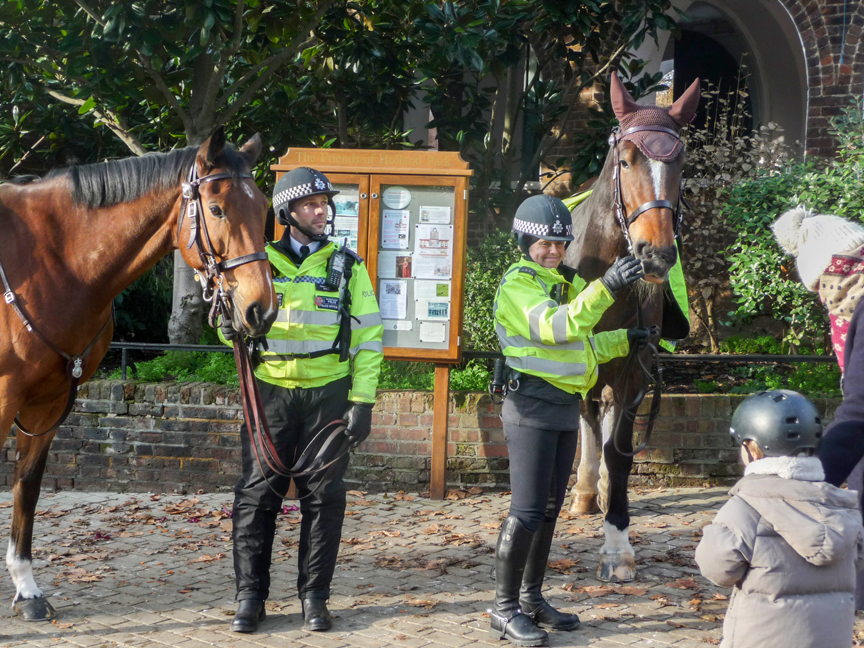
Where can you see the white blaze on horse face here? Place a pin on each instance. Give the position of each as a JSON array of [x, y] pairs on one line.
[[22, 575], [248, 191], [616, 542], [657, 173]]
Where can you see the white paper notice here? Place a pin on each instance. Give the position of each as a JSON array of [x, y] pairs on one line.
[[387, 264], [436, 215], [433, 240], [398, 325], [432, 332], [431, 268], [345, 227], [431, 289], [394, 230], [393, 299], [396, 197], [432, 309]]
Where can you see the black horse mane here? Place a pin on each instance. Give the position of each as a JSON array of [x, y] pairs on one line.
[[109, 183]]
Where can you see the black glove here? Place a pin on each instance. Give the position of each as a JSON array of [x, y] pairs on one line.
[[228, 331], [359, 418], [622, 273], [638, 336]]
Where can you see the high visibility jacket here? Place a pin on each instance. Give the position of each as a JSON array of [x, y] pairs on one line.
[[308, 321], [555, 342]]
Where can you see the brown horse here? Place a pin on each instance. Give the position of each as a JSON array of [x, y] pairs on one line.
[[70, 243], [634, 209]]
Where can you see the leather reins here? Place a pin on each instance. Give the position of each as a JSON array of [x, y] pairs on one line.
[[634, 359]]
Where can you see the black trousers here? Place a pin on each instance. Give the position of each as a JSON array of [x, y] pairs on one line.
[[541, 440], [294, 417]]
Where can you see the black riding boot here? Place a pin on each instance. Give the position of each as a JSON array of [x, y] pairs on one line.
[[530, 597], [508, 622]]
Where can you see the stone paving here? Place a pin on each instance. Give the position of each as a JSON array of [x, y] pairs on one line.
[[141, 570]]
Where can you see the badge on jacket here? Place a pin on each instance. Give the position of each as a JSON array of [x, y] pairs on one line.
[[327, 303]]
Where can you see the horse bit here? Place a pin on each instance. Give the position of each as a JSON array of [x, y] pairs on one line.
[[633, 356]]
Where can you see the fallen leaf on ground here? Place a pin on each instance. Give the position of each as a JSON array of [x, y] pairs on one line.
[[564, 565], [604, 606], [207, 558], [684, 583], [456, 495]]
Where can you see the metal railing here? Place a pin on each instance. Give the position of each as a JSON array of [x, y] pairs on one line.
[[125, 347]]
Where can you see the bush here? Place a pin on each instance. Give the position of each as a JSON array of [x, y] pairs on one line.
[[751, 346], [191, 366], [142, 310], [762, 278], [822, 379], [485, 267]]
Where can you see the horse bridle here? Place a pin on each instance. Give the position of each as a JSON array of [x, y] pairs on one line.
[[618, 202], [633, 357], [311, 460]]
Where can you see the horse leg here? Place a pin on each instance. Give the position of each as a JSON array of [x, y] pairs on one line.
[[31, 454], [585, 490], [607, 420], [617, 558]]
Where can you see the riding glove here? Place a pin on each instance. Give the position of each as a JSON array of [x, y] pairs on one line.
[[622, 273], [638, 336], [228, 331], [359, 419]]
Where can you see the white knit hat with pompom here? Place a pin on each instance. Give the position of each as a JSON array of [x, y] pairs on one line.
[[814, 238]]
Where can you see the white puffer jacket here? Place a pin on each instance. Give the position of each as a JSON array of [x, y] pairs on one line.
[[790, 544]]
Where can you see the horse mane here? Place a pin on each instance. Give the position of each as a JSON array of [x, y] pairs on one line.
[[109, 183]]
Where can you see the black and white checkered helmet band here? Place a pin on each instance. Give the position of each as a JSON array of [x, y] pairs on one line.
[[542, 231], [300, 183], [293, 193]]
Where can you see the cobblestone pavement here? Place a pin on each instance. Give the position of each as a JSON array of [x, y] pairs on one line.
[[140, 570]]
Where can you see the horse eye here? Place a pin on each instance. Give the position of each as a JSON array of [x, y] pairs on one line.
[[624, 165], [216, 210]]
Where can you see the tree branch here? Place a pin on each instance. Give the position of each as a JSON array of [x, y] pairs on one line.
[[164, 89], [90, 12], [112, 120], [547, 143], [270, 65]]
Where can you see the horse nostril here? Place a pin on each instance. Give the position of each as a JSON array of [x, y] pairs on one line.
[[253, 316], [640, 248]]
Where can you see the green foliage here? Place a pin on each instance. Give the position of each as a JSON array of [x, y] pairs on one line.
[[485, 267], [706, 386], [185, 366], [763, 279], [474, 377], [141, 311], [751, 346], [811, 379], [406, 375]]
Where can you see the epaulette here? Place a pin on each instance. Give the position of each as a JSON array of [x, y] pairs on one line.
[[527, 270], [357, 258]]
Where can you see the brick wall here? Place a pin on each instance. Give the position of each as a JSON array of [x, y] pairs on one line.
[[124, 436]]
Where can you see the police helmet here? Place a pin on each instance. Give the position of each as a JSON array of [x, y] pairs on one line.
[[542, 217], [781, 422], [300, 183]]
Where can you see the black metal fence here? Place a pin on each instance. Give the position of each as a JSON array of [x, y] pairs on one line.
[[125, 347]]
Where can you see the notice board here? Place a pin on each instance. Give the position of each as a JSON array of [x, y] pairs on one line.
[[405, 213]]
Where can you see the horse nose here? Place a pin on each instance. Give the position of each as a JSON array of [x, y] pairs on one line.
[[255, 319], [641, 249]]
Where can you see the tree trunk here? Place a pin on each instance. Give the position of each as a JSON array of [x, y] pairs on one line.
[[187, 306]]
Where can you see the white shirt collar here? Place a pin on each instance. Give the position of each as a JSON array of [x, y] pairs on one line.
[[296, 245]]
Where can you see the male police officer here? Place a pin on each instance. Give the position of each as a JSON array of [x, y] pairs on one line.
[[322, 362]]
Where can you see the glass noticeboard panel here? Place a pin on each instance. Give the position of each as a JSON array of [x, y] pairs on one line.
[[347, 219], [415, 264]]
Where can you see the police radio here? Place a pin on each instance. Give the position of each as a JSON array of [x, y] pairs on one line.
[[336, 267]]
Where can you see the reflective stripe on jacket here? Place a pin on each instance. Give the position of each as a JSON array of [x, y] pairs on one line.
[[308, 321], [555, 342]]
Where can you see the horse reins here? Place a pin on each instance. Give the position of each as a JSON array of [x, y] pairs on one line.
[[311, 459], [634, 358]]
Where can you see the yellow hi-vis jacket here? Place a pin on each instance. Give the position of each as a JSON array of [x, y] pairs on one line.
[[308, 321], [555, 342]]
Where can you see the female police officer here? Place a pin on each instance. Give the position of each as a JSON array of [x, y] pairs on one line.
[[322, 363], [544, 315]]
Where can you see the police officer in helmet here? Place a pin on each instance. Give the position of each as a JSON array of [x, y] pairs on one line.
[[320, 364], [544, 316]]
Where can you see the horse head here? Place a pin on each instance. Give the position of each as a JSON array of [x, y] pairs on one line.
[[226, 240], [650, 158]]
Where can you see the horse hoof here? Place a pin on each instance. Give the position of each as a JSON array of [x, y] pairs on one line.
[[35, 609], [584, 504], [617, 568]]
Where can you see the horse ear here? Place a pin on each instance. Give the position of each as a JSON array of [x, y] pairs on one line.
[[212, 148], [685, 106], [622, 102], [251, 149]]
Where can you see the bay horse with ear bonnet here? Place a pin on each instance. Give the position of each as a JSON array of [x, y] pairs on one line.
[[635, 208], [71, 243]]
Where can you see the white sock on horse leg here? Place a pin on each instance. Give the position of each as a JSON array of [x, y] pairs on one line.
[[22, 575]]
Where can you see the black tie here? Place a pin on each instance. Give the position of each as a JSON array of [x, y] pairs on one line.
[[304, 252]]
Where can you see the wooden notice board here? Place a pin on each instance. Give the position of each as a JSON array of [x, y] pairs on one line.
[[405, 213]]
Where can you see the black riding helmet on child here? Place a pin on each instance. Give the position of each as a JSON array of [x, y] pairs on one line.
[[301, 183]]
